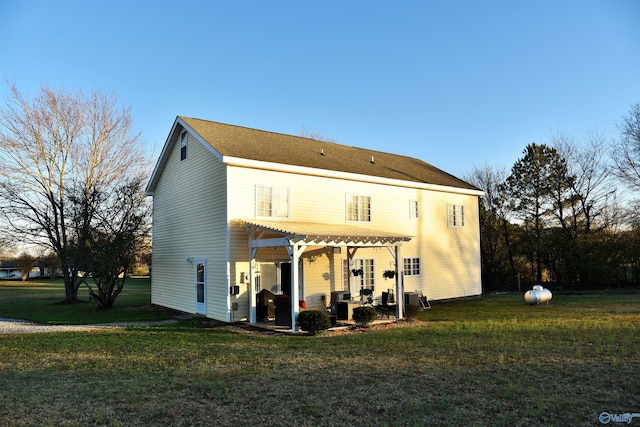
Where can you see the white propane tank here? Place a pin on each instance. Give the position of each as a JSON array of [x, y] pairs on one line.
[[538, 295], [531, 297], [545, 295]]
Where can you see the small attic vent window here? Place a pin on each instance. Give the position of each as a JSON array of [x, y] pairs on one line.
[[183, 145]]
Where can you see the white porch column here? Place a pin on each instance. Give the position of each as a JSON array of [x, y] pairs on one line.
[[353, 288], [252, 281], [294, 252], [399, 283]]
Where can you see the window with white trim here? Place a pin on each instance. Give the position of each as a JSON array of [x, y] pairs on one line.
[[272, 202], [413, 209], [455, 215], [366, 273], [358, 208], [411, 266], [183, 145], [346, 271]]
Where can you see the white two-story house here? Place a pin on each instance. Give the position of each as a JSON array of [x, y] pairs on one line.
[[238, 210]]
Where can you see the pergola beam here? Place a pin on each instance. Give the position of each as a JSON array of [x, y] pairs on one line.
[[265, 243]]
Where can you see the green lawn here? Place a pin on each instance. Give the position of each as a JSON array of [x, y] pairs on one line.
[[490, 361], [38, 301]]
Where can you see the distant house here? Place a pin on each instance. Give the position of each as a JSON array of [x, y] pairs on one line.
[[8, 269], [238, 210]]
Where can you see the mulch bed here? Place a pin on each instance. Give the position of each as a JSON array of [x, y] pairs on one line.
[[243, 328]]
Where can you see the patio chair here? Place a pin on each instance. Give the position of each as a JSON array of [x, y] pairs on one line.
[[384, 307]]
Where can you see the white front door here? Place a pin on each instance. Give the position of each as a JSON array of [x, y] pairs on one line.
[[201, 286]]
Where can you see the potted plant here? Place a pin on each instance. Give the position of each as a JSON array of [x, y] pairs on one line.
[[389, 274], [357, 272]]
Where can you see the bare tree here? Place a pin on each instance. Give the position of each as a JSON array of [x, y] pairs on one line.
[[25, 264], [495, 230], [120, 230], [49, 264], [315, 135], [592, 190], [626, 151], [56, 148]]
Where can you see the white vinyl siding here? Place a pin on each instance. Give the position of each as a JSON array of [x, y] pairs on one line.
[[195, 232]]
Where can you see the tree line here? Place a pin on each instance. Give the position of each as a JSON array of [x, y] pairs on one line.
[[72, 177], [565, 213]]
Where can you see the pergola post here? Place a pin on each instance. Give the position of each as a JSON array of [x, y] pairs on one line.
[[252, 280], [294, 252], [399, 283], [351, 252]]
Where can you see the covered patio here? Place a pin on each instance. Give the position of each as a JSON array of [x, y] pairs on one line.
[[304, 239]]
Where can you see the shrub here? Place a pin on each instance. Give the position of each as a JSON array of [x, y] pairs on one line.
[[363, 316], [313, 321], [411, 311]]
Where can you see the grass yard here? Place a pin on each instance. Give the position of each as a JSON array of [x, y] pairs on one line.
[[38, 301], [491, 361]]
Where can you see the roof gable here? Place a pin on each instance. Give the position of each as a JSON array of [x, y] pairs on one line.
[[245, 143]]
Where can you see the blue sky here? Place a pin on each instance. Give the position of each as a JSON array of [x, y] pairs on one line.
[[455, 83]]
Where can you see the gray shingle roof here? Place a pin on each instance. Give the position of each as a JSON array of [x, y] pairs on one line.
[[253, 144]]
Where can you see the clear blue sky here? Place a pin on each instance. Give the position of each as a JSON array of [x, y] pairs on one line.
[[454, 83]]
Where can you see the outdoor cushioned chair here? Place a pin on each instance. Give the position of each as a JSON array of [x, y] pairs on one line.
[[366, 297]]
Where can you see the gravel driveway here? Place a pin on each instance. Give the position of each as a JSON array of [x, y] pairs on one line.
[[16, 326]]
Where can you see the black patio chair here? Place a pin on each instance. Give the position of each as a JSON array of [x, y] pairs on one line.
[[384, 307]]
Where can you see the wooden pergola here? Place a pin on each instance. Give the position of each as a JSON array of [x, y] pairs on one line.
[[297, 237]]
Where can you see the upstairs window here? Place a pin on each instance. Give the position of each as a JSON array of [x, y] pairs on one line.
[[413, 209], [411, 267], [455, 215], [358, 208], [272, 202], [183, 145]]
